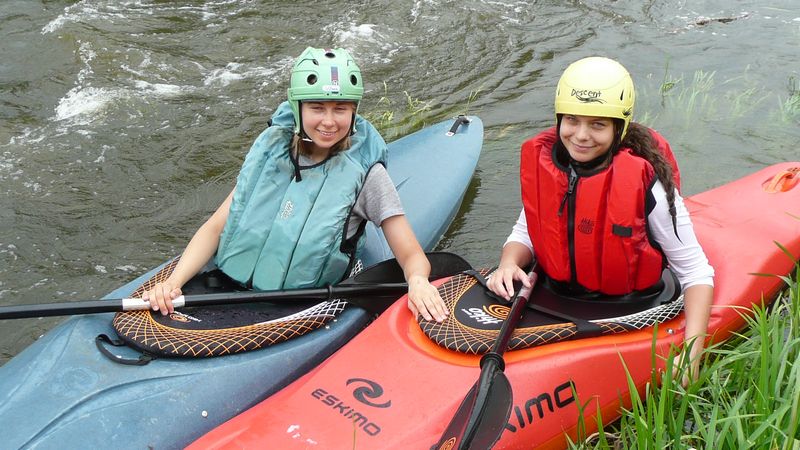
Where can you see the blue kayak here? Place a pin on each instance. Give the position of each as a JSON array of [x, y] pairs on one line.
[[61, 392]]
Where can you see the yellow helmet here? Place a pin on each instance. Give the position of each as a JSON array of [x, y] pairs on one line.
[[598, 87]]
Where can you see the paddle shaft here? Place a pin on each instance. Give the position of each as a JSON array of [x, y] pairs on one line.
[[514, 316], [228, 298], [366, 289]]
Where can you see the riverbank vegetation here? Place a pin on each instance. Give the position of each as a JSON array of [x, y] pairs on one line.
[[747, 395], [395, 120], [686, 98]]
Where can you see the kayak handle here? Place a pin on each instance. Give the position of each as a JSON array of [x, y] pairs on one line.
[[460, 120], [783, 180]]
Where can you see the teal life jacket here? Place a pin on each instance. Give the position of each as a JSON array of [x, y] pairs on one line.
[[286, 231]]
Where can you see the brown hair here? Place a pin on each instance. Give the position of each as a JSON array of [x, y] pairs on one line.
[[640, 140]]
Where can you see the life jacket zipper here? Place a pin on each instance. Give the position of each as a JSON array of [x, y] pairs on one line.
[[573, 181], [569, 200]]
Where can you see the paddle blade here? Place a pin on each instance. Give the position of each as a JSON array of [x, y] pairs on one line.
[[452, 435], [443, 264], [490, 425], [482, 416]]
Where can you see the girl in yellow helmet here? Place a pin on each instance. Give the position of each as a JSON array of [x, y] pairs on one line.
[[602, 210], [296, 215]]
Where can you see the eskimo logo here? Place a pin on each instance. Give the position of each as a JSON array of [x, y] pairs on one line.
[[354, 417], [587, 96], [540, 405], [586, 226], [481, 316], [371, 390]]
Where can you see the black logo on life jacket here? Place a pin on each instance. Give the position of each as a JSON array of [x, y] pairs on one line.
[[586, 226], [370, 390]]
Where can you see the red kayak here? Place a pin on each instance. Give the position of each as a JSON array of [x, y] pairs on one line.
[[393, 387]]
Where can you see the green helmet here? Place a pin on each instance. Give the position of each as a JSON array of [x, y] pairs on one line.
[[598, 87], [324, 75]]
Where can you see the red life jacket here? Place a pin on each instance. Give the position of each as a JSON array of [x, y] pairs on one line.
[[594, 236]]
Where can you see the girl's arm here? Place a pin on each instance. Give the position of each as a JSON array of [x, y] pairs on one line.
[[517, 253], [199, 251], [423, 298], [697, 305], [690, 264]]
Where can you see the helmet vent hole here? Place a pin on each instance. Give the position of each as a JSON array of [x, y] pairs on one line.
[[316, 63], [312, 79], [621, 94], [353, 80], [330, 54]]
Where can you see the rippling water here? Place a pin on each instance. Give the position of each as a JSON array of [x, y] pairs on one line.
[[123, 123]]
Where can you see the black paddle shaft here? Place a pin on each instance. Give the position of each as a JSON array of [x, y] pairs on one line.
[[374, 289], [227, 298], [520, 301]]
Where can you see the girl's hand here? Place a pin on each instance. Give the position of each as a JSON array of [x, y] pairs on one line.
[[424, 299], [692, 352], [501, 281], [161, 296]]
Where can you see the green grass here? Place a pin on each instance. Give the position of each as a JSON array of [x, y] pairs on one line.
[[394, 119], [686, 99], [746, 397], [790, 107]]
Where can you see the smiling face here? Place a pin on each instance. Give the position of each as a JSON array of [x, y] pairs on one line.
[[586, 137], [326, 123]]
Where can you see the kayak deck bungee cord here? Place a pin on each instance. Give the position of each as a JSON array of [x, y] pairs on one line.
[[215, 331]]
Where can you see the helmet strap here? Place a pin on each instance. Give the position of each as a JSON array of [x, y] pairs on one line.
[[295, 158], [301, 132], [616, 144], [353, 123]]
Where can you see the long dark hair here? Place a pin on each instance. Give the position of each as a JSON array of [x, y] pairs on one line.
[[641, 141]]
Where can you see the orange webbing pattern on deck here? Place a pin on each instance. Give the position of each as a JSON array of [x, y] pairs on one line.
[[140, 329], [454, 335]]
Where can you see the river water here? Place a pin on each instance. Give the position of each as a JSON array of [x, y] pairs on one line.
[[123, 122]]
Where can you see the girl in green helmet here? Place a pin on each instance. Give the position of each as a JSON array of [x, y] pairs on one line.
[[310, 182], [601, 203]]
